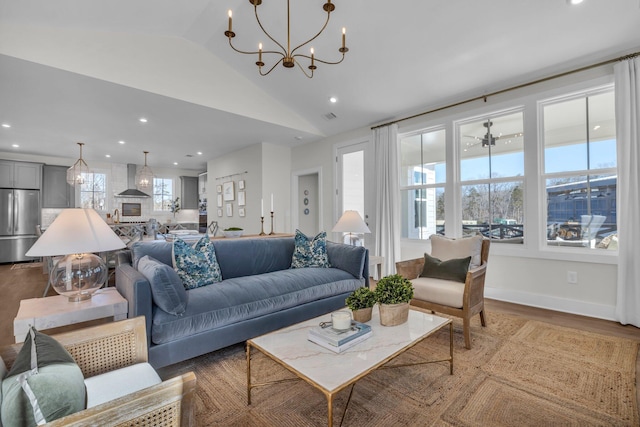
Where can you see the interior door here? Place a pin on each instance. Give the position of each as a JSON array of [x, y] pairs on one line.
[[354, 187]]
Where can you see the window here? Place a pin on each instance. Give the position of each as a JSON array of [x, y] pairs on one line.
[[162, 194], [580, 169], [492, 176], [93, 191], [422, 182]]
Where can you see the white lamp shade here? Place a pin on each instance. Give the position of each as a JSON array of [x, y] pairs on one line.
[[351, 222], [76, 231]]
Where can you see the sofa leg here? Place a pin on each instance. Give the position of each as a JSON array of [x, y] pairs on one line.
[[482, 319], [466, 331]]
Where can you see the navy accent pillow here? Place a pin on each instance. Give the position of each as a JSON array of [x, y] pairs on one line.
[[310, 252], [196, 265], [454, 269]]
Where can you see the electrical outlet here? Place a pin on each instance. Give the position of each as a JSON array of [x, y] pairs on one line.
[[572, 277]]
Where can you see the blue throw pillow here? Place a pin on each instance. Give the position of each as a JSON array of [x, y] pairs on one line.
[[310, 252], [166, 286], [196, 265]]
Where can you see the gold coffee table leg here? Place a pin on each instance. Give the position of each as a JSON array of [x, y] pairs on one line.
[[451, 348], [248, 373], [330, 409]]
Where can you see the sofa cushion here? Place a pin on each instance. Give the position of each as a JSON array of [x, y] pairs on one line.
[[342, 257], [158, 249], [166, 286], [44, 383], [248, 257], [196, 265], [310, 252], [111, 385], [451, 269], [445, 248], [243, 298], [439, 291]]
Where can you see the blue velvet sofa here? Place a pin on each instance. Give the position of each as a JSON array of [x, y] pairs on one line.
[[259, 293]]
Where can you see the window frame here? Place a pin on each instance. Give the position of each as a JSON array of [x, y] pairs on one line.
[[170, 197]]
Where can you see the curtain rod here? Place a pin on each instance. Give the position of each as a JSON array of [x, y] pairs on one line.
[[520, 86]]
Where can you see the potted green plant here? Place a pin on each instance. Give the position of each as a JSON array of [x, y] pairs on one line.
[[393, 294], [232, 232], [361, 302]]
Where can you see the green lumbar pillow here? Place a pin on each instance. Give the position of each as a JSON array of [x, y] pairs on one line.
[[44, 383], [453, 269]]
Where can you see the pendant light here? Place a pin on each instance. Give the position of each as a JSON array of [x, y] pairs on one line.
[[76, 173], [144, 177]]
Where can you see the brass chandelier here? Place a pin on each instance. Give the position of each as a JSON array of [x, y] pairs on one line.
[[288, 56]]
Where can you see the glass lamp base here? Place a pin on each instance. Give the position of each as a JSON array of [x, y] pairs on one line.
[[78, 276]]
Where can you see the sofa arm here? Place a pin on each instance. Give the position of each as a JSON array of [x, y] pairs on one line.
[[135, 288], [352, 259], [170, 403], [410, 269]]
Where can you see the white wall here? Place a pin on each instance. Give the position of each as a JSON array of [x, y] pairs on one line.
[[526, 276], [265, 168], [308, 222]]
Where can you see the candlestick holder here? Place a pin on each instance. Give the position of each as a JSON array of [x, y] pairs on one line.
[[272, 233], [262, 233]]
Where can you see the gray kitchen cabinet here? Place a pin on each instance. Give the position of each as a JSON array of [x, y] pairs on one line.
[[56, 193], [189, 198], [20, 175]]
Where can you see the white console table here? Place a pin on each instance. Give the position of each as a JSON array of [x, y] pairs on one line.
[[56, 311]]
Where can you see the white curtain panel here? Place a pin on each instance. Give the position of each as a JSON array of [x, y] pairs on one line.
[[627, 80], [385, 140]]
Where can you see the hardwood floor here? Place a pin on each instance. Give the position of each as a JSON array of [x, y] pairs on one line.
[[28, 281]]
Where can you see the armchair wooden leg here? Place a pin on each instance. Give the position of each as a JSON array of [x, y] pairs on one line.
[[482, 319], [466, 331]]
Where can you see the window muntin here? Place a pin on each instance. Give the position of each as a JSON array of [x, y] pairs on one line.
[[580, 170], [423, 178], [492, 176], [162, 194], [93, 192]]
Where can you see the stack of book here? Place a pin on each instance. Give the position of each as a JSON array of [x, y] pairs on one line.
[[338, 341]]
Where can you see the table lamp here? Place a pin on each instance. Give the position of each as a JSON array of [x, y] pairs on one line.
[[351, 222], [76, 233]]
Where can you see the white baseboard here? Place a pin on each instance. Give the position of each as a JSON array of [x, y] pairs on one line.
[[599, 311]]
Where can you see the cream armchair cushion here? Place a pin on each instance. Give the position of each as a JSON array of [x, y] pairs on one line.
[[439, 291], [113, 384], [445, 248]]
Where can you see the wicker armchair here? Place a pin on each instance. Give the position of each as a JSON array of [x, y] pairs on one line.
[[472, 297], [111, 346]]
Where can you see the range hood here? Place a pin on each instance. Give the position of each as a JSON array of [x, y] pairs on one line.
[[132, 191]]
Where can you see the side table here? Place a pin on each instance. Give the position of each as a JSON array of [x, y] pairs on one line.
[[376, 262], [52, 312]]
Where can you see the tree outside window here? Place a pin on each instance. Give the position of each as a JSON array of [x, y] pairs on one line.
[[162, 194], [492, 176], [93, 192], [580, 170]]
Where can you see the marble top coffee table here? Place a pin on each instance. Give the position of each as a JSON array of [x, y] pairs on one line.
[[331, 372]]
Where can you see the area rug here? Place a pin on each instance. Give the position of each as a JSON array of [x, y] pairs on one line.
[[518, 373]]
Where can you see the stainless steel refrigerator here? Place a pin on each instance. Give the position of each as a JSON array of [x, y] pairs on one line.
[[19, 215]]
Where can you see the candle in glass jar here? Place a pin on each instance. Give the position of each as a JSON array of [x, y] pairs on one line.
[[341, 320]]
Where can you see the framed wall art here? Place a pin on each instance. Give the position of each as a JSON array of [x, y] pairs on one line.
[[219, 200], [241, 198], [220, 212], [218, 188], [229, 209], [241, 212], [228, 191], [241, 184]]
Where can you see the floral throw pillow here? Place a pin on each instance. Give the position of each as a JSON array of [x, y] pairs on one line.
[[310, 252], [196, 265]]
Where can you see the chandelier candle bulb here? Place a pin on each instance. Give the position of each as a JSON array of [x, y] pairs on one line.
[[344, 34], [230, 14], [311, 56]]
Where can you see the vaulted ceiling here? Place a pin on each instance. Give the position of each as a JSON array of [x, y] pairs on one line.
[[87, 70]]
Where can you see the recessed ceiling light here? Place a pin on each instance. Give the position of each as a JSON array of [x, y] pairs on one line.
[[333, 100], [122, 142], [107, 155], [143, 120], [199, 153], [574, 2], [175, 163], [297, 138], [6, 125], [15, 145], [596, 127]]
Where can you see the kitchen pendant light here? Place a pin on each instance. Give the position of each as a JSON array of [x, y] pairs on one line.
[[76, 173], [144, 177]]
